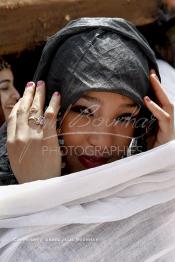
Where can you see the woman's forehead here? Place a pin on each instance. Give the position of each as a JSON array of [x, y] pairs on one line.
[[6, 75], [102, 97]]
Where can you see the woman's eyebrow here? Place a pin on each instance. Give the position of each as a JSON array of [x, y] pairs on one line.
[[92, 99], [130, 105]]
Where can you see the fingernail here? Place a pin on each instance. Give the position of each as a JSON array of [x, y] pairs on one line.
[[153, 73], [56, 94], [147, 98], [30, 84], [155, 76], [40, 83]]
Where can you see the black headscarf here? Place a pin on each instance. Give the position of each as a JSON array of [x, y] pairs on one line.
[[97, 54]]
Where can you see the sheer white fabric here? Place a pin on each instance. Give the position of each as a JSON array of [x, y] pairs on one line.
[[109, 193]]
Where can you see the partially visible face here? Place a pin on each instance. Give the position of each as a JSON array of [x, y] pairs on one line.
[[170, 3], [98, 129], [8, 94]]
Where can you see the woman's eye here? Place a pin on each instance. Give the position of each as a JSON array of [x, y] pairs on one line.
[[3, 88], [125, 118], [82, 110]]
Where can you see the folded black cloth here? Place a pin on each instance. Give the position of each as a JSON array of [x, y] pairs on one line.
[[88, 54]]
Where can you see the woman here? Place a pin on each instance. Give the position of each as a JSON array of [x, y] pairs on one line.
[[106, 70], [118, 211], [8, 98]]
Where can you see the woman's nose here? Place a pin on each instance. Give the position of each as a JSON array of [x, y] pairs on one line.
[[15, 93], [101, 136]]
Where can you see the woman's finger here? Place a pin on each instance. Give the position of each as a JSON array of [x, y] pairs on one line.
[[160, 92], [23, 110], [165, 119], [49, 128], [27, 97], [37, 106], [11, 124]]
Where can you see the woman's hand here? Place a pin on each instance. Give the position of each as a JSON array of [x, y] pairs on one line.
[[33, 149], [163, 112]]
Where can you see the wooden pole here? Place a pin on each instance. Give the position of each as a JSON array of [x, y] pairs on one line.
[[25, 23]]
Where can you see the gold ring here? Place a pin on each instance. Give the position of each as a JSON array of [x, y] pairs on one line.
[[38, 120]]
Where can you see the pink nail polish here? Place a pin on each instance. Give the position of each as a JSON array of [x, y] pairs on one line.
[[155, 76], [147, 98], [40, 83], [56, 94], [30, 84]]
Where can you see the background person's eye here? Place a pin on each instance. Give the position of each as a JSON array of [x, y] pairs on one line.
[[3, 88], [82, 110]]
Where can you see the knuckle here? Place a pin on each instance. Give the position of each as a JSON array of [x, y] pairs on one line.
[[20, 140], [170, 107], [33, 109], [50, 115], [168, 118], [19, 112]]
